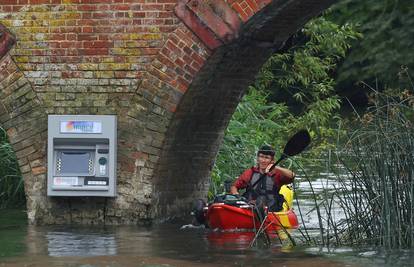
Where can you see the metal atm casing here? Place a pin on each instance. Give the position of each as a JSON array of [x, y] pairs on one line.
[[81, 155]]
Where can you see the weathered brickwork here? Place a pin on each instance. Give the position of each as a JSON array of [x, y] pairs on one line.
[[25, 121], [171, 73], [247, 8], [173, 81]]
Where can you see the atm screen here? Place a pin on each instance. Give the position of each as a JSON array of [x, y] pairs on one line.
[[75, 162]]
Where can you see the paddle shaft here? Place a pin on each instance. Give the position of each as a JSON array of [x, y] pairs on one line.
[[294, 146]]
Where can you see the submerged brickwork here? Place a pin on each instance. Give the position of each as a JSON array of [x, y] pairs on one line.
[[172, 71]]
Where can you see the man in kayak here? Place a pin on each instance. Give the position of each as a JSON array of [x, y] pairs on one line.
[[262, 186]]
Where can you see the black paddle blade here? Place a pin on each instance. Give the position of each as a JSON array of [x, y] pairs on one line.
[[297, 143]]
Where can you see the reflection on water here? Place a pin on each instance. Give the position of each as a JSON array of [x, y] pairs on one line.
[[368, 256], [166, 245], [75, 244], [229, 240], [321, 182]]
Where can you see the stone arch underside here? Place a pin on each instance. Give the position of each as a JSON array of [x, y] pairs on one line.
[[197, 127], [173, 83]]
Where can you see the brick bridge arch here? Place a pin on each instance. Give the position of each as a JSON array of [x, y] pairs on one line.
[[172, 71]]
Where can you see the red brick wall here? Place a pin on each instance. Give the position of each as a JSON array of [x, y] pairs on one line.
[[171, 70], [247, 8], [130, 58]]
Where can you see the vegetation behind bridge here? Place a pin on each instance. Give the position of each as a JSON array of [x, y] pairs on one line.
[[296, 89], [11, 182]]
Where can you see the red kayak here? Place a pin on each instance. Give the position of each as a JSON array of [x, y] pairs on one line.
[[234, 217], [232, 213]]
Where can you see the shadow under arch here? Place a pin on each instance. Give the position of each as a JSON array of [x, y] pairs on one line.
[[11, 181], [197, 127]]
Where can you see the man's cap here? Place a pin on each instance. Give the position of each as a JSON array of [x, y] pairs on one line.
[[266, 150]]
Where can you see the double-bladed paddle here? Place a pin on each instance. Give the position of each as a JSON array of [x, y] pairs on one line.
[[296, 144]]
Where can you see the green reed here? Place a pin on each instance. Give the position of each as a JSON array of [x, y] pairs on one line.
[[11, 181], [376, 194]]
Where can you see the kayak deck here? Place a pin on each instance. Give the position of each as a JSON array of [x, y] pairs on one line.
[[228, 217]]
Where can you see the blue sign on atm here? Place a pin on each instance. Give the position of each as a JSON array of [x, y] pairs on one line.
[[80, 127]]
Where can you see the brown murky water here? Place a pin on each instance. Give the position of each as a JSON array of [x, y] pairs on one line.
[[153, 262], [164, 245]]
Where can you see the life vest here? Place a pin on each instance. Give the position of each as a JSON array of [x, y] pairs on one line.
[[266, 189]]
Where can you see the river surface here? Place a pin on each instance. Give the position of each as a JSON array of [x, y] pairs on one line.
[[164, 245], [180, 244]]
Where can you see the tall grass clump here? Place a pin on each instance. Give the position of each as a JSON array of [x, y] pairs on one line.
[[376, 194], [11, 181], [380, 206]]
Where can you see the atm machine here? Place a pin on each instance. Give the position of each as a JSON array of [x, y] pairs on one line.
[[81, 155]]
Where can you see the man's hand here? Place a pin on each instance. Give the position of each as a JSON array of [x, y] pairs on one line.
[[233, 190], [268, 169]]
